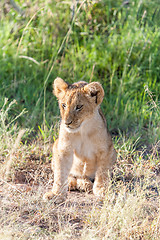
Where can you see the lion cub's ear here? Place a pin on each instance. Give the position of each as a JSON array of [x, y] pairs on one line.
[[95, 91], [59, 87]]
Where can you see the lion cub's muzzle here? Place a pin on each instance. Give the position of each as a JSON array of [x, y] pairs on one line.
[[68, 123], [71, 125]]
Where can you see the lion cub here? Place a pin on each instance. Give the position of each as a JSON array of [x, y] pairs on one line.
[[84, 149]]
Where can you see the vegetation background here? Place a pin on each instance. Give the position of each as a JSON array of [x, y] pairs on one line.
[[114, 42]]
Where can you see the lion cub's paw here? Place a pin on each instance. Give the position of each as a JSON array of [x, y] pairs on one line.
[[99, 191], [84, 184], [56, 198], [72, 183]]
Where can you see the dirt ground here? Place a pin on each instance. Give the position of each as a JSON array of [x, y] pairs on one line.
[[24, 215], [22, 205]]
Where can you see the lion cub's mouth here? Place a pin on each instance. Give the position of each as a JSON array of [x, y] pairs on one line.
[[72, 129]]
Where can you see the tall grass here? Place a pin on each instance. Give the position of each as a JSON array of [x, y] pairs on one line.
[[119, 41]]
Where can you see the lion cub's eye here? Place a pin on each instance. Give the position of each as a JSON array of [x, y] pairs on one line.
[[63, 105], [79, 107]]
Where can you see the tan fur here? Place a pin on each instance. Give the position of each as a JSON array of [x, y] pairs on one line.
[[84, 149]]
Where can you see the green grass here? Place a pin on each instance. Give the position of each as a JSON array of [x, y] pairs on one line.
[[108, 41]]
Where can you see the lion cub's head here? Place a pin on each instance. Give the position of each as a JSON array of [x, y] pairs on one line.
[[77, 102]]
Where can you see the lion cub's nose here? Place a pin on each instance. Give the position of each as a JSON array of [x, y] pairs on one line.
[[68, 122]]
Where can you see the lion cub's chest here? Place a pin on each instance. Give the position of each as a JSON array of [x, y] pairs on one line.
[[85, 148]]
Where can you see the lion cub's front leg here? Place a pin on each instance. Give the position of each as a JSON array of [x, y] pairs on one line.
[[104, 168], [62, 161], [101, 182]]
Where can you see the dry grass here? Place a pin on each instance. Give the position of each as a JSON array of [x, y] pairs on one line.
[[130, 209]]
